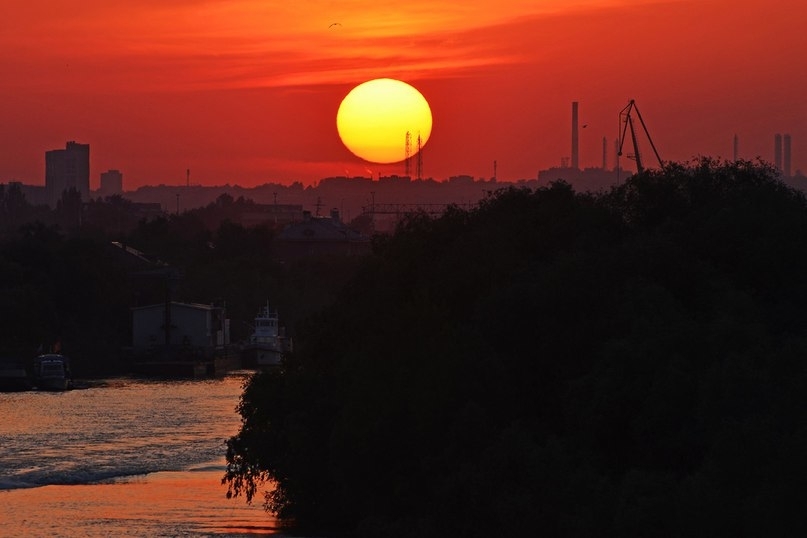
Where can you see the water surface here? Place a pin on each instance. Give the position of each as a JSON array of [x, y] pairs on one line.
[[125, 458]]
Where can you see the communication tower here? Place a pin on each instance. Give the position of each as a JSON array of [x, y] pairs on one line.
[[604, 153], [420, 158], [407, 153]]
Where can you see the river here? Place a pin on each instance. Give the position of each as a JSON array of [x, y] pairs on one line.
[[124, 457]]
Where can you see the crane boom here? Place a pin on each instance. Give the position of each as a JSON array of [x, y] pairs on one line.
[[625, 124]]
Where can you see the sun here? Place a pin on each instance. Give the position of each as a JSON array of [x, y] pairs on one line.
[[375, 117]]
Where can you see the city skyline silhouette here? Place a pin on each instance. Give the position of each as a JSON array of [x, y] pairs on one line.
[[245, 93]]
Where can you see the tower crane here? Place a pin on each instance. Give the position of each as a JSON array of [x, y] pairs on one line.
[[625, 123]]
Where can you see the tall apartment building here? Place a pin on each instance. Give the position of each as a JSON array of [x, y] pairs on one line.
[[67, 168], [111, 183]]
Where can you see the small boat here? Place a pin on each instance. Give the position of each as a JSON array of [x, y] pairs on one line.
[[14, 376], [267, 343], [51, 372]]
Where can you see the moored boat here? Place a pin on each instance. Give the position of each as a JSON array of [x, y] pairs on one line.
[[14, 376], [51, 372], [267, 343]]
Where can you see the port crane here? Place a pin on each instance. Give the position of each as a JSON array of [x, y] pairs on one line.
[[625, 124]]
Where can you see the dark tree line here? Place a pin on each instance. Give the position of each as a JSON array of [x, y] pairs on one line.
[[62, 293], [67, 286], [553, 363], [223, 261]]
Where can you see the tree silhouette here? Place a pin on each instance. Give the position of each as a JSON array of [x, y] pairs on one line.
[[553, 363]]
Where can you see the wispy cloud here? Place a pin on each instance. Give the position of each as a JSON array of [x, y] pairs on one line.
[[182, 44]]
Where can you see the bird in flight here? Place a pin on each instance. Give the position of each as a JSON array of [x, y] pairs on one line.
[[334, 24]]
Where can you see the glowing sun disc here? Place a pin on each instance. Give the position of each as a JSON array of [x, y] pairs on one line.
[[375, 116]]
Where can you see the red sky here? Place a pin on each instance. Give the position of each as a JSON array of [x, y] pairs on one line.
[[246, 91]]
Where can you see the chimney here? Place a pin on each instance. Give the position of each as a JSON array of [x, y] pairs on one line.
[[786, 156], [604, 153], [335, 214], [575, 146], [777, 152], [736, 149]]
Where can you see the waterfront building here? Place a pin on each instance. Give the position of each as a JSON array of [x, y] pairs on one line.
[[189, 324]]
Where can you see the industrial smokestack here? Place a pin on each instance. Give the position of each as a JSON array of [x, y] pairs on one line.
[[604, 153], [736, 149], [786, 155], [777, 152], [575, 146]]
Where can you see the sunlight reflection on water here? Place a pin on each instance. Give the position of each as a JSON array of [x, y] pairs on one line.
[[160, 504], [129, 458]]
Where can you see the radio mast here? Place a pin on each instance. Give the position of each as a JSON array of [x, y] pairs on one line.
[[420, 158], [407, 153]]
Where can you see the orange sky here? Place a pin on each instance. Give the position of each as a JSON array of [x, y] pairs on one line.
[[246, 91]]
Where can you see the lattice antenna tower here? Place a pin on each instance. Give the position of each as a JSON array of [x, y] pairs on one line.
[[420, 157], [407, 153]]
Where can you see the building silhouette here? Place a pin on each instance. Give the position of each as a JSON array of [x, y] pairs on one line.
[[320, 236], [782, 154], [67, 169], [111, 183]]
